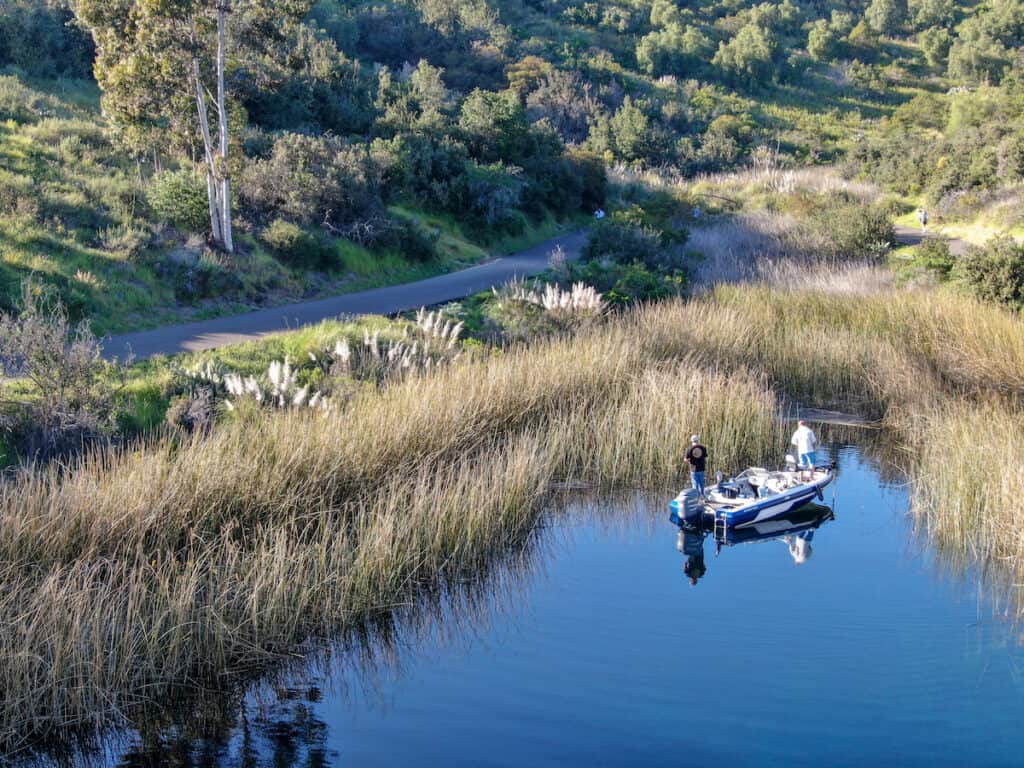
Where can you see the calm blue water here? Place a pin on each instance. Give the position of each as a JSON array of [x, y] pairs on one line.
[[604, 655]]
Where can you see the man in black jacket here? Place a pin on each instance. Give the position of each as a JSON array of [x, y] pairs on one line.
[[697, 458]]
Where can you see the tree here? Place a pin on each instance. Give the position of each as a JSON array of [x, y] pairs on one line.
[[886, 16], [415, 102], [935, 42], [975, 57], [315, 180], [931, 13], [821, 41], [631, 129], [155, 58], [495, 126], [748, 56], [665, 12], [566, 102], [673, 50]]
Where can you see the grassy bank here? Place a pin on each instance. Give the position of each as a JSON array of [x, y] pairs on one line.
[[75, 215]]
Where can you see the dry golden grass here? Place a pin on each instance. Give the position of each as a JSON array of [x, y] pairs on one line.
[[943, 372], [134, 571]]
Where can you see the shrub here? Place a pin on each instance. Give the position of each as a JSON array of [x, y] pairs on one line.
[[313, 180], [494, 193], [124, 240], [630, 244], [298, 247], [179, 197], [410, 239], [933, 254], [69, 397], [854, 231], [995, 272], [206, 277], [623, 284]]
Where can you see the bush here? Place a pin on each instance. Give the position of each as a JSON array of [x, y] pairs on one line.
[[410, 239], [623, 284], [314, 180], [933, 254], [206, 277], [494, 193], [69, 397], [180, 198], [42, 39], [298, 247], [995, 272], [630, 244], [853, 231]]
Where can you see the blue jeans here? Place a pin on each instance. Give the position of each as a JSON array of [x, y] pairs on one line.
[[697, 478], [808, 459]]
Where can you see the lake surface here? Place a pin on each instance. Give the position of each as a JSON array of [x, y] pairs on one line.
[[596, 650]]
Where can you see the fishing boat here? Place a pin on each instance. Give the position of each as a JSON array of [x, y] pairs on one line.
[[753, 496]]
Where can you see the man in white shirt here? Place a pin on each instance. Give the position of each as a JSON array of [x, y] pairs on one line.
[[806, 443]]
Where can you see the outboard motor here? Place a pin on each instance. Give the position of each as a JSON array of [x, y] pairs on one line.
[[688, 505], [790, 462]]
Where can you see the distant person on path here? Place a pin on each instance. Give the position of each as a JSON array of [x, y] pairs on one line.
[[806, 444], [922, 216], [697, 458]]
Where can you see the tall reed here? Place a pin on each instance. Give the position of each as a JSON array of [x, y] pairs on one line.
[[133, 571]]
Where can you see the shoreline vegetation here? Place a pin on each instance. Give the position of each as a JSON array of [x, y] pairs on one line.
[[129, 571]]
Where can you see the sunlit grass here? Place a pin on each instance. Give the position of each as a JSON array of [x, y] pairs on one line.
[[190, 560]]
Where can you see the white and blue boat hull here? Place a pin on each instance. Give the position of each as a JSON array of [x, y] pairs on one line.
[[771, 507], [756, 506]]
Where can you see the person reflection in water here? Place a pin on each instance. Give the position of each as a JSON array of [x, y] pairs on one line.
[[800, 546], [691, 544]]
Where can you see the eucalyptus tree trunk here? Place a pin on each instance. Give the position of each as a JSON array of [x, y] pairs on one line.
[[212, 191], [222, 109], [218, 184]]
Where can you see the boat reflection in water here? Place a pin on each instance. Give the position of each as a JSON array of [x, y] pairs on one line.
[[796, 530]]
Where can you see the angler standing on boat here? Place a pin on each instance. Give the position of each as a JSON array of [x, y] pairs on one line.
[[806, 442], [697, 458]]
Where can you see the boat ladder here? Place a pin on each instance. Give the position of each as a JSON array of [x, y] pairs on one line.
[[720, 526]]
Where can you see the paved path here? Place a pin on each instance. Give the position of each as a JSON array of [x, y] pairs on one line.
[[913, 236], [208, 334]]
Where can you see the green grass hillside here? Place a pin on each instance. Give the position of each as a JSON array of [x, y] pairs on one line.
[[74, 215], [379, 142]]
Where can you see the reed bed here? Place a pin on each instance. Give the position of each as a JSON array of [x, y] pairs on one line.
[[131, 572], [135, 571], [944, 373]]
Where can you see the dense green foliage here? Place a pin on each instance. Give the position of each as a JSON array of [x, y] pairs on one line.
[[492, 115], [995, 272]]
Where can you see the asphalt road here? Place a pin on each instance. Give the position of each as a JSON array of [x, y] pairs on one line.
[[208, 334], [914, 236]]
